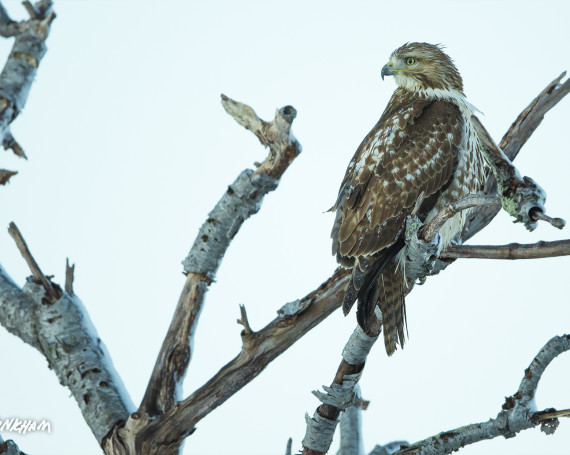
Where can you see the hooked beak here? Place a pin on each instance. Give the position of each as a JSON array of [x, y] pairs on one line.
[[386, 71]]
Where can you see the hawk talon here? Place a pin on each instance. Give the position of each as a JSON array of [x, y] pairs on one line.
[[419, 256]]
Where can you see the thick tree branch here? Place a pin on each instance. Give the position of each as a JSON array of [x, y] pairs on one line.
[[521, 197], [511, 251], [517, 135], [241, 200], [21, 67], [59, 327], [518, 411]]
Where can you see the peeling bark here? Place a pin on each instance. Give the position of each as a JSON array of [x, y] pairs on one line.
[[22, 65]]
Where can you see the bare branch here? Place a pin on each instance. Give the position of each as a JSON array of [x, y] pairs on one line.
[[242, 199], [511, 251], [521, 197], [22, 65], [517, 135], [340, 396], [517, 414], [264, 346], [51, 291], [288, 449], [276, 135], [558, 223], [61, 330]]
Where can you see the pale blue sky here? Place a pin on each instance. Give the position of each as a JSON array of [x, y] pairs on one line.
[[129, 148]]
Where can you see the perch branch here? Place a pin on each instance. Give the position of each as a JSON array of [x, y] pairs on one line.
[[339, 396], [21, 67], [241, 200], [511, 251], [518, 412]]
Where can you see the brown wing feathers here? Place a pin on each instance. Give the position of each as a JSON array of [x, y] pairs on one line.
[[412, 149]]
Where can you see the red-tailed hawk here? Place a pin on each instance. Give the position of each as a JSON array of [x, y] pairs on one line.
[[423, 143]]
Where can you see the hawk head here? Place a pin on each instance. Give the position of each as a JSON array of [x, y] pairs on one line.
[[422, 66]]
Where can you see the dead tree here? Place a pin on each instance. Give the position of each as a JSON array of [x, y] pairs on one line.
[[53, 320]]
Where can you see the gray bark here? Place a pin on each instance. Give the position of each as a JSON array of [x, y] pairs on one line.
[[63, 333], [518, 411], [21, 68]]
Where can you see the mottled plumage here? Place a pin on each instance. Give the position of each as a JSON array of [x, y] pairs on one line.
[[423, 143]]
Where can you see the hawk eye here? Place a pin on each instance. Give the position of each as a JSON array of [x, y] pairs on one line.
[[410, 60]]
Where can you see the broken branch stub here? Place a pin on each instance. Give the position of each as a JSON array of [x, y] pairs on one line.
[[276, 134]]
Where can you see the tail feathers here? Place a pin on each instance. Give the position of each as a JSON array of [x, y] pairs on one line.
[[392, 305], [378, 281]]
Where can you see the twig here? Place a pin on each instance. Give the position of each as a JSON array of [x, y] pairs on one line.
[[242, 199], [540, 215], [288, 449], [32, 264], [69, 272], [550, 414], [517, 413], [511, 251], [429, 230], [244, 321]]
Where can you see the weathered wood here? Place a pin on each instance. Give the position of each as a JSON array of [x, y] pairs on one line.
[[511, 143], [511, 251], [21, 68], [518, 412], [242, 200]]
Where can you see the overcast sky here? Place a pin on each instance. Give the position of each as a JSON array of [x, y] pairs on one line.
[[129, 149]]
